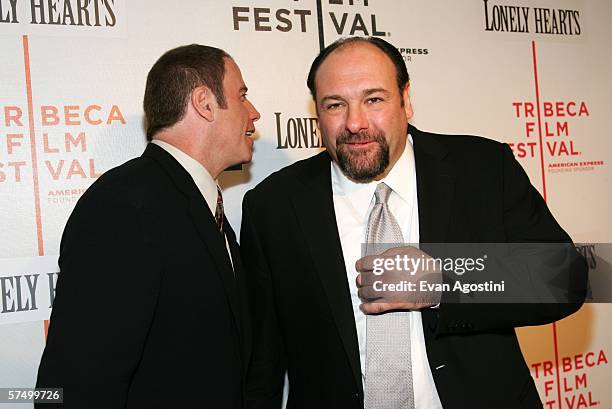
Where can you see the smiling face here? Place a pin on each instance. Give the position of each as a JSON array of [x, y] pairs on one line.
[[363, 117], [235, 123]]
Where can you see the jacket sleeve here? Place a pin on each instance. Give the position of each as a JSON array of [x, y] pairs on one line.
[[545, 276]]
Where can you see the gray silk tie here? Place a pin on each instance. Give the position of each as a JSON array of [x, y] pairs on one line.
[[388, 369]]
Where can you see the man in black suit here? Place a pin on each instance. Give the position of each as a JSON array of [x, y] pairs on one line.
[[150, 307], [300, 249]]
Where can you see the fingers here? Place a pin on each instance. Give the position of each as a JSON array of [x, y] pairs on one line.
[[380, 307], [396, 287], [365, 264], [366, 293], [378, 296], [369, 263], [374, 308]]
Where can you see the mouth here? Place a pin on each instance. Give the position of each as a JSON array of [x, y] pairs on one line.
[[360, 144], [249, 133]]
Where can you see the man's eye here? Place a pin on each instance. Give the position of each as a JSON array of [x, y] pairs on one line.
[[243, 97], [374, 100], [332, 106]]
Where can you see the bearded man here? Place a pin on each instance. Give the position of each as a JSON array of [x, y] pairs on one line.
[[382, 180]]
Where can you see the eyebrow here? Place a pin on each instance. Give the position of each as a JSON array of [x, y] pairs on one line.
[[244, 89], [371, 91], [365, 93], [335, 97]]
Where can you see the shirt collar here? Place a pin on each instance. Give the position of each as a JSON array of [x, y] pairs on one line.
[[360, 194], [205, 183], [401, 177]]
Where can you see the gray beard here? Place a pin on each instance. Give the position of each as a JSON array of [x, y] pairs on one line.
[[357, 166]]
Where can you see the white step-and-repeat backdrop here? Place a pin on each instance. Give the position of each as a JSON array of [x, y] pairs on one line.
[[533, 73]]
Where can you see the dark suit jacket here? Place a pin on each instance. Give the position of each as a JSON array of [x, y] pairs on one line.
[[147, 312], [469, 190]]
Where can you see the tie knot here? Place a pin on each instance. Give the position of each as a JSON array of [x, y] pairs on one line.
[[382, 193], [219, 194]]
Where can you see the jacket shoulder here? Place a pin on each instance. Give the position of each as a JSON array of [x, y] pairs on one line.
[[465, 150], [287, 177], [458, 141], [132, 183]]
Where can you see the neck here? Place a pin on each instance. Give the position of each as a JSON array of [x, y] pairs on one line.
[[187, 143]]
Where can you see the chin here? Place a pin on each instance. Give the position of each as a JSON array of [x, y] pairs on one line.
[[364, 167], [245, 159]]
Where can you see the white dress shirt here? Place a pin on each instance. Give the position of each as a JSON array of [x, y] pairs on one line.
[[353, 203], [205, 183]]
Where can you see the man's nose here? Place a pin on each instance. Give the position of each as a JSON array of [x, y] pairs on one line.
[[356, 120], [253, 113]]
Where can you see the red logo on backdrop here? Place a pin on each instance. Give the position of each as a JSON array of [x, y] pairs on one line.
[[560, 144], [574, 380], [62, 143]]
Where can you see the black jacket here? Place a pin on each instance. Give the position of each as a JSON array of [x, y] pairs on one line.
[[470, 190], [147, 312]]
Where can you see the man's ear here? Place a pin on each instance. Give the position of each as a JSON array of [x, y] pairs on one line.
[[406, 99], [204, 102]]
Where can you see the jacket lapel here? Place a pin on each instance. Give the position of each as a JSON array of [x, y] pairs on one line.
[[435, 186], [202, 219], [321, 229]]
